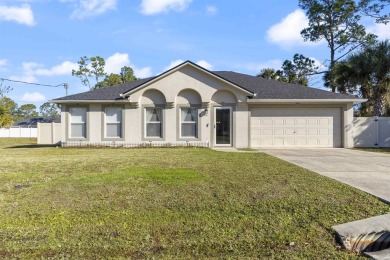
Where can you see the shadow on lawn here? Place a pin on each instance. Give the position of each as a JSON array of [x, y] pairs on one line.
[[32, 146]]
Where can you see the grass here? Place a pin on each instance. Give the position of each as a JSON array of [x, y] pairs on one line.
[[375, 150], [168, 203]]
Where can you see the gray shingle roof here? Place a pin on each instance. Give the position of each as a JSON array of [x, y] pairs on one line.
[[264, 88], [272, 89]]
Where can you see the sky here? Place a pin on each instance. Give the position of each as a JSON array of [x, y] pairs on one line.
[[42, 40]]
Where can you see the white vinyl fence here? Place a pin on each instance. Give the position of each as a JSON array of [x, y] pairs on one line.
[[18, 132], [371, 131], [49, 133]]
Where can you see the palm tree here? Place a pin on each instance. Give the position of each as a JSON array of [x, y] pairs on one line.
[[268, 73], [367, 72]]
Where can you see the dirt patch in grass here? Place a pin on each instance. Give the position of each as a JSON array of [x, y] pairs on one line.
[[169, 203]]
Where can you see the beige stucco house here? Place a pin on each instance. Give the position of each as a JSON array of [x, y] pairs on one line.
[[191, 105]]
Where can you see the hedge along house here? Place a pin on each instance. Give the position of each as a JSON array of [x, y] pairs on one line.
[[189, 105]]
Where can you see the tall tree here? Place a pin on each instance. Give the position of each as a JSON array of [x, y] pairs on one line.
[[368, 73], [296, 71], [336, 22], [49, 110], [127, 74], [6, 118], [90, 68], [13, 107], [376, 9], [109, 81], [94, 68], [269, 73], [27, 111], [6, 107]]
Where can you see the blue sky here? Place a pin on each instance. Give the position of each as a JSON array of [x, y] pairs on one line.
[[42, 40]]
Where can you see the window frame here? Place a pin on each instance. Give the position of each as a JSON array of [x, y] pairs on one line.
[[162, 124], [104, 125], [85, 124], [178, 122], [196, 123]]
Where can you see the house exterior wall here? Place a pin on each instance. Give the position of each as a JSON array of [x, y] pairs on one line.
[[186, 87], [183, 88]]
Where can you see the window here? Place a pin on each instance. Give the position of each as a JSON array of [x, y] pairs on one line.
[[78, 125], [189, 122], [113, 122], [153, 121]]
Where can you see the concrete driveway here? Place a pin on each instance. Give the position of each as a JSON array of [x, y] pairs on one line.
[[367, 171]]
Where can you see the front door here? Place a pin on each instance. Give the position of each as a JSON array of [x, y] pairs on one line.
[[223, 126]]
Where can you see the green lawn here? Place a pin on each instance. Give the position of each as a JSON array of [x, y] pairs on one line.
[[168, 203]]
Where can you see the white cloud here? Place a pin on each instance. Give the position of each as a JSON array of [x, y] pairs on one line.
[[150, 7], [287, 32], [22, 14], [87, 8], [173, 64], [3, 62], [211, 10], [32, 69], [143, 72], [115, 62], [381, 30], [257, 67], [205, 64], [201, 63], [33, 97], [28, 69], [64, 68]]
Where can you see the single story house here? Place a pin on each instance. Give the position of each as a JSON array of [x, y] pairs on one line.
[[189, 104]]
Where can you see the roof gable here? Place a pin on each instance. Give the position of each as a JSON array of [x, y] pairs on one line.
[[177, 68]]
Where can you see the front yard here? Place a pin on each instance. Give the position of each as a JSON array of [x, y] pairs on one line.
[[168, 203]]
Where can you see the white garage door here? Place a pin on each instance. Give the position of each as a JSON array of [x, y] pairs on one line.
[[295, 127]]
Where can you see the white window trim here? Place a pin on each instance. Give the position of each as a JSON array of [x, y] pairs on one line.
[[120, 123], [83, 123], [161, 122], [188, 122]]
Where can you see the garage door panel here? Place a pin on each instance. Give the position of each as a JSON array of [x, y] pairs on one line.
[[278, 121], [301, 121], [266, 122], [289, 121], [301, 132], [311, 127]]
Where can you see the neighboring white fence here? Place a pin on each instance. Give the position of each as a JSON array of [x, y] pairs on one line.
[[371, 131], [49, 133], [18, 132]]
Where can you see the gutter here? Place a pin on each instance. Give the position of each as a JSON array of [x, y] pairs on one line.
[[88, 101], [261, 101]]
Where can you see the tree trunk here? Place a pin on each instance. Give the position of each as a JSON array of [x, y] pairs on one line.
[[379, 105], [332, 83]]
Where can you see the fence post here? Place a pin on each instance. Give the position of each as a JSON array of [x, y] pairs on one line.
[[376, 126], [52, 133]]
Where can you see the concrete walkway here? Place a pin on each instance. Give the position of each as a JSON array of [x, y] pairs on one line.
[[367, 171]]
